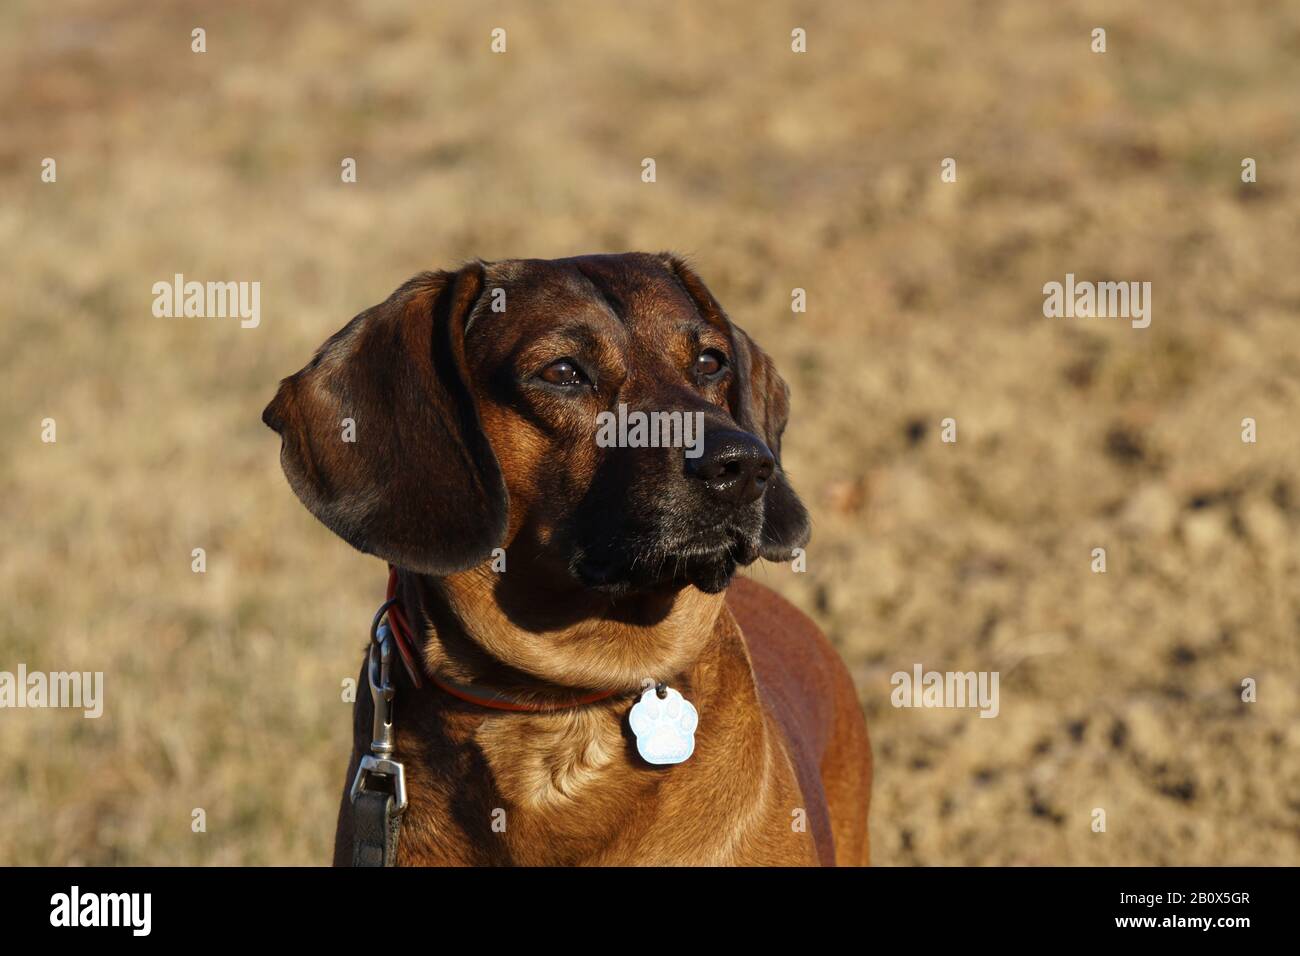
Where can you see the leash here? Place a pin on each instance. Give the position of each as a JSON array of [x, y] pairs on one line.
[[379, 788]]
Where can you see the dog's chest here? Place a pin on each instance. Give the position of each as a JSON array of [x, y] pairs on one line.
[[569, 789]]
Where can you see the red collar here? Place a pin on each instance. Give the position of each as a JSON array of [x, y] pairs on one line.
[[470, 693]]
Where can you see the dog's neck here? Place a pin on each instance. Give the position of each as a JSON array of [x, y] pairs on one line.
[[503, 631], [467, 764]]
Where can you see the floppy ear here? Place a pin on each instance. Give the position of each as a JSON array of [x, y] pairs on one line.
[[760, 402], [414, 479]]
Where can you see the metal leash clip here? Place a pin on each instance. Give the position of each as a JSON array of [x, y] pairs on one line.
[[379, 762]]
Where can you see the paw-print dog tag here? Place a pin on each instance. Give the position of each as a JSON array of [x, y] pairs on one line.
[[664, 728]]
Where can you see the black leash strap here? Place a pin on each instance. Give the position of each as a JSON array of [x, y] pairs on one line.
[[376, 829], [379, 788]]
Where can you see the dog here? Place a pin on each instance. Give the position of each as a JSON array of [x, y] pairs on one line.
[[599, 691]]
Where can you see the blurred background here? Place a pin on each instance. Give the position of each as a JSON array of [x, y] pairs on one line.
[[820, 171]]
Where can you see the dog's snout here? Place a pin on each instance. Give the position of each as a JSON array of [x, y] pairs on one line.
[[734, 466]]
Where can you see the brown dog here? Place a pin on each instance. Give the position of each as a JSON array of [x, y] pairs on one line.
[[542, 568]]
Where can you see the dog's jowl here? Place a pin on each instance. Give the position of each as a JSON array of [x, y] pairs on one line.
[[573, 671]]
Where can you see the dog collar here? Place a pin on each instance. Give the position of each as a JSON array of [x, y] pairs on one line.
[[470, 693]]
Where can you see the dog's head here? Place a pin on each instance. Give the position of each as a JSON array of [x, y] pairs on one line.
[[550, 408]]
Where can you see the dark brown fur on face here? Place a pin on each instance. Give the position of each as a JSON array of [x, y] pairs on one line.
[[616, 565]]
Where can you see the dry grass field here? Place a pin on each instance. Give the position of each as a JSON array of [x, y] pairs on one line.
[[775, 170]]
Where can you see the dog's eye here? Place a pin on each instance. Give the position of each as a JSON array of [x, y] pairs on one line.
[[710, 363], [564, 372]]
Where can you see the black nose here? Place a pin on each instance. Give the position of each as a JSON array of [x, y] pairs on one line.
[[734, 466]]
